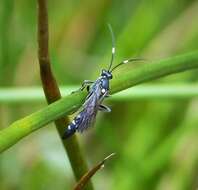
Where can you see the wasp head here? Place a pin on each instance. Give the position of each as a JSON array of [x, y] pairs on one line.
[[106, 74]]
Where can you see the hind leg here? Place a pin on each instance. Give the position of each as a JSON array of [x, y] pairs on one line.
[[104, 108]]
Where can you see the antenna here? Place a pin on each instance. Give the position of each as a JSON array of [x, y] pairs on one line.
[[126, 61], [113, 46]]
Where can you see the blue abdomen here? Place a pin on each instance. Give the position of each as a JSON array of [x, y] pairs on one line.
[[72, 127]]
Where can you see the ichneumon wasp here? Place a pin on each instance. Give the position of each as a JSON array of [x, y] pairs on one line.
[[97, 91]]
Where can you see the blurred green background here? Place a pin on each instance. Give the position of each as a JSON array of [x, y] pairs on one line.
[[155, 140]]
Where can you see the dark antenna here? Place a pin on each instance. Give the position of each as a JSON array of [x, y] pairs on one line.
[[113, 46], [126, 61]]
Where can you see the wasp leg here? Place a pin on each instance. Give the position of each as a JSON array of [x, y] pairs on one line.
[[88, 87], [107, 96], [86, 83], [104, 108]]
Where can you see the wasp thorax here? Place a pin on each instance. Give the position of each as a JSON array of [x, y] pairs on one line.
[[106, 74], [104, 82]]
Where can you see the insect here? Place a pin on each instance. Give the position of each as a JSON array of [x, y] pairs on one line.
[[97, 91]]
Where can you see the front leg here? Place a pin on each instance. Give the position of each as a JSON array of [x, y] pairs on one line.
[[86, 83]]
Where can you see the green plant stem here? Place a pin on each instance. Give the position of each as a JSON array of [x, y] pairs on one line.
[[68, 104], [143, 92], [23, 127], [52, 93], [155, 70]]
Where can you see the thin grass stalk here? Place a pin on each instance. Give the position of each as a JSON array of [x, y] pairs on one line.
[[52, 93]]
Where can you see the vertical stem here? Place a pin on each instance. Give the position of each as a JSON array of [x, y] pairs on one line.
[[52, 93]]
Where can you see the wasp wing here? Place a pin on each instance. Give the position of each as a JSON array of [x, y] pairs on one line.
[[87, 115]]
